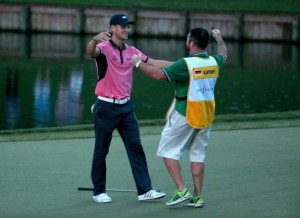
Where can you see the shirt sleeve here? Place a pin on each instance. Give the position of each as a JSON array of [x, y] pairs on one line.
[[144, 57], [177, 71], [219, 59], [100, 47]]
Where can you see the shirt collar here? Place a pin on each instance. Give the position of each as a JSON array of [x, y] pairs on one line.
[[122, 47], [201, 54]]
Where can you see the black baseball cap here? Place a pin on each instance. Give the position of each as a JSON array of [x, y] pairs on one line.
[[120, 19]]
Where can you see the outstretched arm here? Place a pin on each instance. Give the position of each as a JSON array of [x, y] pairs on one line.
[[152, 71], [222, 49], [92, 49], [159, 63]]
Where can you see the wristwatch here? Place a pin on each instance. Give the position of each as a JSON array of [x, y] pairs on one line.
[[137, 64]]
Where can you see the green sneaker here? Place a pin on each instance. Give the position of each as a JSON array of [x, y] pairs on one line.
[[195, 202], [179, 196]]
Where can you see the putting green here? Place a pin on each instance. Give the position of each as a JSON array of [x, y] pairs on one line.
[[249, 173]]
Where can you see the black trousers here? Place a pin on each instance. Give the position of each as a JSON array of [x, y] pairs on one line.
[[108, 117]]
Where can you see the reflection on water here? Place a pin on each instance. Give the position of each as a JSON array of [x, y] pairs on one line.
[[68, 106], [55, 46], [11, 104], [47, 80], [42, 113]]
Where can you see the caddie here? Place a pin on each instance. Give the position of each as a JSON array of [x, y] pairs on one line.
[[192, 112]]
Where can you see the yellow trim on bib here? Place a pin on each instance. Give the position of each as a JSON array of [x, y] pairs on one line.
[[205, 72], [200, 114]]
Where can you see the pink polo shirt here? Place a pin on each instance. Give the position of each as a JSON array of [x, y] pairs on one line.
[[115, 70]]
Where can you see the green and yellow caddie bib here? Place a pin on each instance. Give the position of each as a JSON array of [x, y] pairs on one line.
[[203, 74]]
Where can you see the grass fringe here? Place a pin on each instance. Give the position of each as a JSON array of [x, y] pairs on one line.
[[158, 122]]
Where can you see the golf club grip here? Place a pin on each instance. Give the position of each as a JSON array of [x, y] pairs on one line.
[[85, 189], [108, 189]]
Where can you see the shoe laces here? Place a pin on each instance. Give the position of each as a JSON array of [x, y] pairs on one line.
[[150, 193], [103, 195], [196, 199], [178, 194]]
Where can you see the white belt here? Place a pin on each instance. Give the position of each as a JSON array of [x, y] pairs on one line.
[[114, 100]]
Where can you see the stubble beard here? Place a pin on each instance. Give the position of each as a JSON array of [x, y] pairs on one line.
[[187, 50]]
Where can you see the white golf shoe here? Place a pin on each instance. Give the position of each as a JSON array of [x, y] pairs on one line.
[[151, 195], [102, 198]]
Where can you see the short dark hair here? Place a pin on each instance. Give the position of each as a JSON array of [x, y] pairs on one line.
[[200, 37]]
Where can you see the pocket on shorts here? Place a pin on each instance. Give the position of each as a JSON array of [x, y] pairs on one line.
[[174, 118], [171, 110]]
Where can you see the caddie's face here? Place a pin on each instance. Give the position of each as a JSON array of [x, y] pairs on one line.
[[187, 43], [121, 32], [187, 40]]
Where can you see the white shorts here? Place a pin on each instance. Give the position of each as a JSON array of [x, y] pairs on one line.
[[179, 136]]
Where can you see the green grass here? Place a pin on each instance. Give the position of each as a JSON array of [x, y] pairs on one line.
[[156, 122], [249, 173], [274, 6], [149, 127]]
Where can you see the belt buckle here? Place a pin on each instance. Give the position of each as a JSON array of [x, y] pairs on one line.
[[120, 101], [124, 100]]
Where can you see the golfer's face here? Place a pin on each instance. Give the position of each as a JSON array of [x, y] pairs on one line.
[[121, 31]]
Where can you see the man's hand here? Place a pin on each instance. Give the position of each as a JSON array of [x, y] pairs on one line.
[[222, 49], [103, 36], [150, 70], [135, 58], [92, 50], [217, 34]]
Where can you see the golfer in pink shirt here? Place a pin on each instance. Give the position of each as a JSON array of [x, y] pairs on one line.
[[115, 110]]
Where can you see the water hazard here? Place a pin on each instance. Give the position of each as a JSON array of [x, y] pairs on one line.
[[47, 80]]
